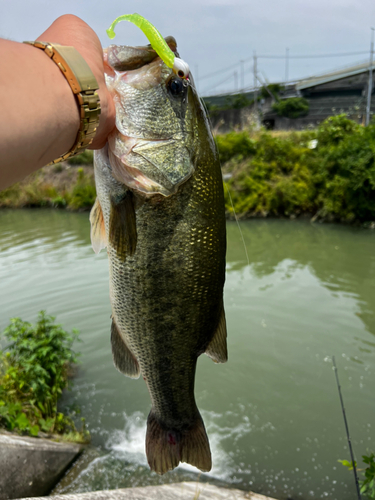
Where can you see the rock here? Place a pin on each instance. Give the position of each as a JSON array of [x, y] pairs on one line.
[[30, 466], [177, 491]]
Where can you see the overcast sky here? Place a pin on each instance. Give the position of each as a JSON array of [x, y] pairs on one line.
[[215, 35]]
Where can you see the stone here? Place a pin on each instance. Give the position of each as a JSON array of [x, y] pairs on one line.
[[176, 491], [31, 467]]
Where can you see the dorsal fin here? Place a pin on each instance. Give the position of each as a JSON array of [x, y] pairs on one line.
[[123, 359], [217, 348]]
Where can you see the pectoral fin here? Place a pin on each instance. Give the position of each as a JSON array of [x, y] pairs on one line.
[[123, 359], [122, 226], [98, 236], [217, 348]]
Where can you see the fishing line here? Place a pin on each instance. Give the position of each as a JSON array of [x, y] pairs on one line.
[[238, 223], [347, 429], [226, 185]]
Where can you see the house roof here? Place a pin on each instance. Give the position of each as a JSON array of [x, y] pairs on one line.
[[335, 75]]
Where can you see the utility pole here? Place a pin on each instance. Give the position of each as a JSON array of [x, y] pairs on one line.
[[369, 89], [235, 81], [242, 75], [255, 85], [287, 66]]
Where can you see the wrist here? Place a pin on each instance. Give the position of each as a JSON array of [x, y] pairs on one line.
[[72, 31], [83, 85]]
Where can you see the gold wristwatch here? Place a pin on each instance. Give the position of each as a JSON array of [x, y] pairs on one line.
[[83, 84]]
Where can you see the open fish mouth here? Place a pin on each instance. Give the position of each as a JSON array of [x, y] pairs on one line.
[[149, 166]]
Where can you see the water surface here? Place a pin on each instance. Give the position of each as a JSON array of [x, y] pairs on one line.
[[272, 412]]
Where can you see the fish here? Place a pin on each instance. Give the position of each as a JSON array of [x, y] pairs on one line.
[[160, 213]]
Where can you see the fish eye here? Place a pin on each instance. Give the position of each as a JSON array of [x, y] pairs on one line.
[[176, 86]]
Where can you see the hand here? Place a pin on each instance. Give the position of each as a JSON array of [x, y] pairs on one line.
[[72, 31]]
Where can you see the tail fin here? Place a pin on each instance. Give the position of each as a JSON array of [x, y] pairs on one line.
[[166, 448]]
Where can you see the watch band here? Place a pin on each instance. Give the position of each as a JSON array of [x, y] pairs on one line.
[[84, 86]]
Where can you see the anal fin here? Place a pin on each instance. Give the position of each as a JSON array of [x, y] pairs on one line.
[[98, 235], [122, 226], [217, 348], [123, 359]]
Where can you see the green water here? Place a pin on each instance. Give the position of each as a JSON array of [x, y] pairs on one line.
[[272, 412]]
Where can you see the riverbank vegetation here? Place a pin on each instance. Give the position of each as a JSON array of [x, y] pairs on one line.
[[35, 368], [327, 173], [64, 185]]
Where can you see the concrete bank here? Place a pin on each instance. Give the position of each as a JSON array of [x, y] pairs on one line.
[[32, 466], [177, 491]]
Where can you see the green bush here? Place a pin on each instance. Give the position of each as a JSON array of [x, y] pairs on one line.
[[346, 169], [332, 177], [294, 107], [274, 88], [83, 193], [234, 144], [237, 101], [367, 485], [275, 180], [34, 371], [335, 128], [85, 158]]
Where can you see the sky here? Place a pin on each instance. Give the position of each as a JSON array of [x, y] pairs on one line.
[[213, 36]]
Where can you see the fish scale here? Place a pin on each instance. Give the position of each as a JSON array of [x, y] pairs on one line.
[[166, 256]]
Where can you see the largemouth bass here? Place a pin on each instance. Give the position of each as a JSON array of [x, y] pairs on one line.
[[160, 213]]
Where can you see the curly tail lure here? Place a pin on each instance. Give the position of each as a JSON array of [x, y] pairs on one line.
[[180, 67]]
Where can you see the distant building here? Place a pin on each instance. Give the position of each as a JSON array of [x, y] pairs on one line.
[[342, 91]]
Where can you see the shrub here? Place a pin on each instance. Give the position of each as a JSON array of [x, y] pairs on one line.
[[83, 193], [235, 144], [283, 175], [336, 128], [33, 373], [367, 484], [346, 169], [294, 107], [85, 158], [237, 101], [274, 88], [276, 180]]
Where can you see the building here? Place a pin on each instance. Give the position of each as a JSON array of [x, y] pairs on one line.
[[343, 91]]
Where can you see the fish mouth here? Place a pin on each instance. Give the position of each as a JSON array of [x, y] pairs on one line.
[[149, 166]]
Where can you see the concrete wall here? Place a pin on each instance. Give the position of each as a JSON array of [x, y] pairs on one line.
[[31, 466]]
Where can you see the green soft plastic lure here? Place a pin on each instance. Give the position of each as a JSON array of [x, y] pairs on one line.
[[180, 67]]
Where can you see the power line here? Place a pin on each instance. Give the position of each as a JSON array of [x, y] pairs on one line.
[[224, 70], [219, 83], [315, 56], [265, 56]]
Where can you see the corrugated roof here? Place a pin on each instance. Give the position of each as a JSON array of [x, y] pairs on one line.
[[335, 75]]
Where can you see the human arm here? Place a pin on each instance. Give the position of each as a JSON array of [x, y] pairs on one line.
[[39, 118]]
